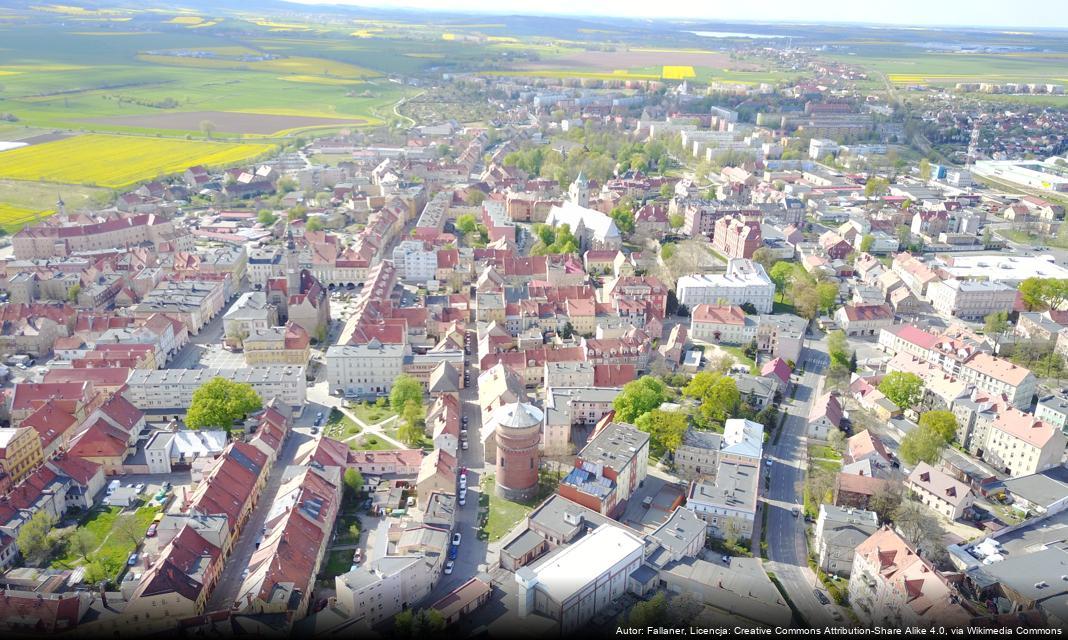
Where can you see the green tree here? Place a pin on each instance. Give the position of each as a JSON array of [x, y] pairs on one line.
[[676, 220], [474, 197], [314, 224], [668, 250], [885, 500], [405, 389], [466, 224], [128, 529], [838, 348], [921, 445], [866, 242], [944, 423], [902, 388], [876, 187], [73, 292], [568, 331], [207, 127], [781, 274], [412, 429], [624, 218], [353, 481], [665, 429], [220, 402], [718, 394], [996, 323], [925, 169], [837, 440], [667, 190], [266, 217], [638, 397], [81, 543], [649, 613], [764, 257], [33, 539]]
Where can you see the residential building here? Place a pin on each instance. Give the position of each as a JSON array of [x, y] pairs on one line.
[[566, 407], [169, 392], [890, 584], [1053, 410], [365, 369], [864, 319], [826, 414], [20, 454], [727, 505], [722, 325], [609, 469], [251, 312], [1022, 445], [737, 237], [940, 491], [839, 531], [744, 282], [701, 451], [464, 599], [970, 299], [288, 345], [782, 336]]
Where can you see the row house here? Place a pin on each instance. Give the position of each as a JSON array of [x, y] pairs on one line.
[[231, 487]]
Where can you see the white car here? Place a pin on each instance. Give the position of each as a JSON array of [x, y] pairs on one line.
[[448, 567], [769, 462], [463, 445], [456, 539], [463, 497], [463, 482]]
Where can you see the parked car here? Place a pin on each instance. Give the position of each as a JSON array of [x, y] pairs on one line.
[[463, 445], [795, 511], [456, 539], [453, 551], [139, 487], [463, 497], [151, 533], [132, 560], [769, 462], [821, 596], [465, 420], [463, 482], [448, 567]]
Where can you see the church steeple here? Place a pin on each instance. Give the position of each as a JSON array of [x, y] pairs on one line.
[[579, 192]]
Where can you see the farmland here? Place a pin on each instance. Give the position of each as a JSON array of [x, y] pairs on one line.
[[917, 66], [12, 218], [118, 161]]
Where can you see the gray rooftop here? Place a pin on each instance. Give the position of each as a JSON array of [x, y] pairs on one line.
[[679, 530], [550, 517], [735, 487], [524, 543], [615, 445], [1042, 489]]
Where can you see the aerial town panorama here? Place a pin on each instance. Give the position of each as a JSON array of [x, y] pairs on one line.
[[346, 321]]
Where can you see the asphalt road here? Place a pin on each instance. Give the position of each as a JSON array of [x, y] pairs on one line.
[[787, 546], [471, 557]]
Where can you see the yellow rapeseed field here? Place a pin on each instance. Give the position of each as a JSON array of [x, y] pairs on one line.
[[678, 72], [186, 20], [116, 162], [13, 218]]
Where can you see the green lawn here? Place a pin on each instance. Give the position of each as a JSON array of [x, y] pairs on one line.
[[371, 414], [336, 563], [783, 307], [344, 523], [823, 451], [113, 549], [370, 443], [340, 426], [829, 465], [1023, 237], [739, 355], [424, 442], [503, 514]]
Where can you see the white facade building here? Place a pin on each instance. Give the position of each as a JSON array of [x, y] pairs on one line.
[[366, 369], [416, 261], [170, 391], [744, 282]]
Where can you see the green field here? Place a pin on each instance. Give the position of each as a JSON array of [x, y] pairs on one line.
[[913, 65]]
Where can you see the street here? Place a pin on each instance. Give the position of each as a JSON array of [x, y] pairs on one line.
[[785, 533], [471, 558], [226, 590]]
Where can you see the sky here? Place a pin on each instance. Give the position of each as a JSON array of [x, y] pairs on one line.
[[985, 13]]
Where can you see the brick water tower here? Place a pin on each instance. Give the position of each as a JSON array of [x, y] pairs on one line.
[[517, 435]]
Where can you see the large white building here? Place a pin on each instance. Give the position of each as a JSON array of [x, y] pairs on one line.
[[170, 391], [416, 261], [1009, 269], [744, 282], [366, 369], [583, 579], [970, 299]]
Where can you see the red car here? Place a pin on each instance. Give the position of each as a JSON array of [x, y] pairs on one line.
[[151, 530]]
